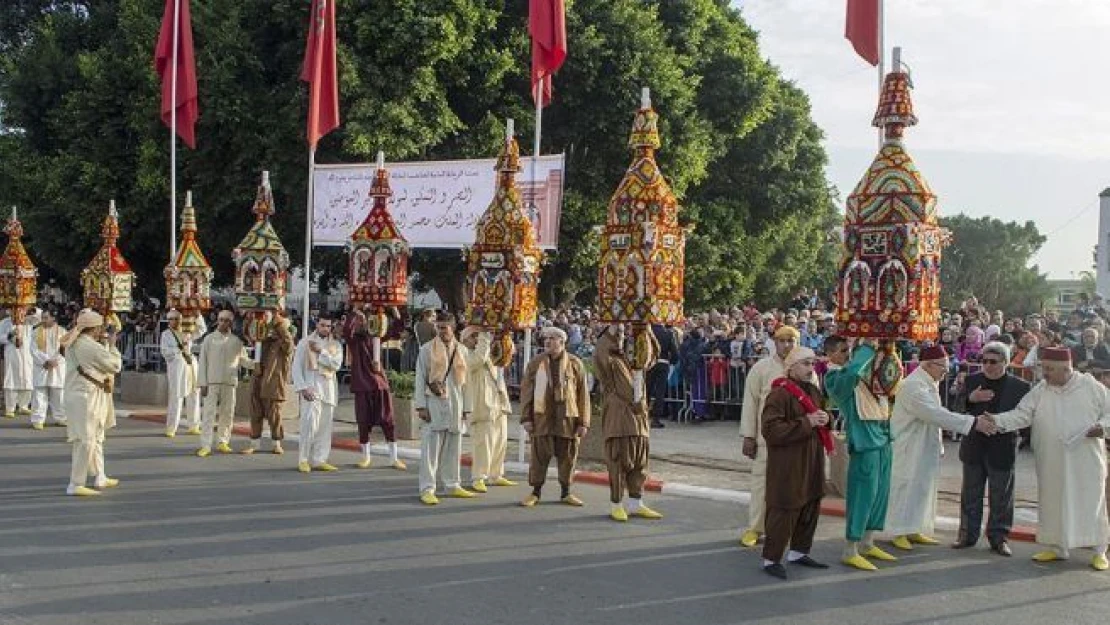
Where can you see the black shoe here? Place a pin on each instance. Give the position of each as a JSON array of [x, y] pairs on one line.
[[1002, 549], [775, 570], [656, 424], [809, 562], [963, 544]]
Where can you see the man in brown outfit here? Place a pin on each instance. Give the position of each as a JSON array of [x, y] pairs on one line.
[[271, 376], [792, 419], [555, 411]]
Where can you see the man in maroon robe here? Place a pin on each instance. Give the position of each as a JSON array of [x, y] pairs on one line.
[[373, 399]]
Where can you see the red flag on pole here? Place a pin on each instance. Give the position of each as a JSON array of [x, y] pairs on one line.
[[319, 72], [862, 28], [186, 70], [547, 25]]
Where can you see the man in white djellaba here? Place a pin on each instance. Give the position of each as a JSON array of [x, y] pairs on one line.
[[176, 346], [916, 427], [1068, 412], [49, 373], [18, 380]]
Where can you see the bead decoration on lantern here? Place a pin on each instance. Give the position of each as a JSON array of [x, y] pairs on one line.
[[377, 274], [503, 265], [18, 276], [889, 272], [261, 267], [107, 281], [189, 276], [642, 262]]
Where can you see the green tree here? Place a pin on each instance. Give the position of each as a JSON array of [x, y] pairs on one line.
[[991, 259]]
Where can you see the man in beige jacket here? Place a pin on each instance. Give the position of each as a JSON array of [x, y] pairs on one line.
[[489, 421], [222, 352]]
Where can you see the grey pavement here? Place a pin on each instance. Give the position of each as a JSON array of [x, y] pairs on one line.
[[234, 539]]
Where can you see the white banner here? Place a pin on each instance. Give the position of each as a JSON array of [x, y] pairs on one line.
[[435, 204]]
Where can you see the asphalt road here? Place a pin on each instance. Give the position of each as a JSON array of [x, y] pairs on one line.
[[233, 539]]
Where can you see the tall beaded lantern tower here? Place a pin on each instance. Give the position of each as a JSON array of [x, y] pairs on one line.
[[503, 266], [379, 260], [642, 263], [889, 274], [108, 280], [261, 267], [189, 276], [18, 276]]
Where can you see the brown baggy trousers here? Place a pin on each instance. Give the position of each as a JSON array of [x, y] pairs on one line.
[[627, 459], [565, 451], [268, 410], [790, 527]]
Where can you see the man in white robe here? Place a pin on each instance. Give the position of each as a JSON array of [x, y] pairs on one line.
[[222, 353], [916, 427], [443, 405], [18, 366], [1068, 413], [49, 373], [92, 362], [176, 346], [756, 388], [489, 423], [317, 358]]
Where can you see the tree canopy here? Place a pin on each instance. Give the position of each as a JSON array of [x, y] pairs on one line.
[[420, 80]]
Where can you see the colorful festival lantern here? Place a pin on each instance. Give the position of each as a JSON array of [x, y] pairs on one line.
[[503, 266], [889, 273], [18, 276], [261, 267], [108, 280], [379, 258], [642, 264], [189, 276]]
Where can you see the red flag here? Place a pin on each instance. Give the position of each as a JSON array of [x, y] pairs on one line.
[[186, 71], [862, 28], [547, 25], [319, 72]]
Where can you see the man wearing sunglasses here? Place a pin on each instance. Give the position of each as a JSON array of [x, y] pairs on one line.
[[989, 459]]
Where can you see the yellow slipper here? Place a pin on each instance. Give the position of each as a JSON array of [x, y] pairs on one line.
[[1100, 563], [399, 465], [749, 539], [9, 415], [303, 467], [277, 450], [859, 562], [428, 498], [194, 431], [922, 539], [204, 452], [573, 500], [323, 466], [109, 482], [902, 542], [1046, 556], [247, 451], [224, 448], [36, 426], [479, 486], [170, 434], [83, 491], [459, 492], [645, 512], [878, 554], [618, 513], [502, 481], [364, 463], [530, 501]]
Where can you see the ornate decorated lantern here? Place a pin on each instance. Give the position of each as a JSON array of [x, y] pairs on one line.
[[642, 262], [503, 266], [18, 276], [889, 274], [379, 258], [189, 276], [261, 267], [107, 280]]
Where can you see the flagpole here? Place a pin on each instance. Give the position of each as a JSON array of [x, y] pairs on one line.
[[526, 356], [308, 239], [882, 57], [173, 129]]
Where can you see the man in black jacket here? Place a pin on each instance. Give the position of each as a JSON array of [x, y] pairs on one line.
[[1090, 349], [660, 371], [989, 459]]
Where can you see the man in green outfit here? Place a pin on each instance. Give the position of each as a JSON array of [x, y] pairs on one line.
[[867, 421]]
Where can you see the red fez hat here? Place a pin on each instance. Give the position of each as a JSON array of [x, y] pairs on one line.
[[933, 352], [1055, 354]]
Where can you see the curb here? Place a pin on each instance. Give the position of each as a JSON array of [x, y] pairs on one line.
[[833, 508]]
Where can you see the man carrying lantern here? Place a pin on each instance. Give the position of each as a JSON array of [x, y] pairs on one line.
[[489, 421], [271, 375], [373, 398]]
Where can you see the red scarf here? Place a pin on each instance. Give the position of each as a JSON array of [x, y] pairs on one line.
[[807, 404]]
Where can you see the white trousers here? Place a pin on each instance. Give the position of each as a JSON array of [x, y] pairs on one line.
[[16, 400], [220, 399], [316, 419], [47, 397], [191, 404], [757, 509], [490, 440], [440, 457], [88, 459]]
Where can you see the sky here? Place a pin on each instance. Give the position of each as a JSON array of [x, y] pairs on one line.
[[1012, 97]]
